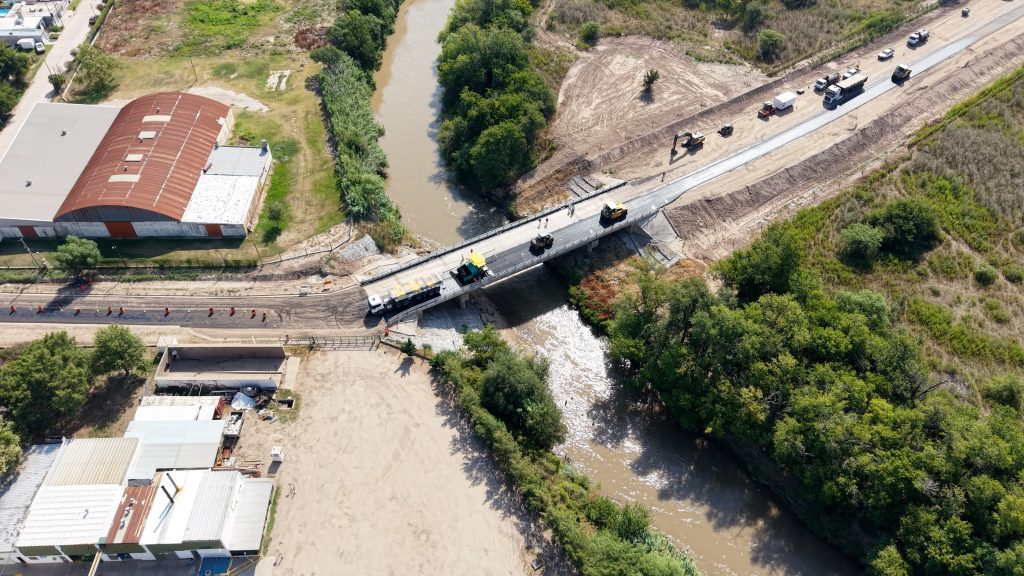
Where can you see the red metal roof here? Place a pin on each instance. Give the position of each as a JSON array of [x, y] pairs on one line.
[[130, 519], [186, 127]]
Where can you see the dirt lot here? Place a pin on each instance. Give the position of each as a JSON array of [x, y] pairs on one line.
[[141, 28], [381, 477]]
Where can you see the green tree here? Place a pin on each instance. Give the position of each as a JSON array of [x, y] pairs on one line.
[[58, 81], [326, 55], [9, 97], [97, 70], [13, 66], [650, 77], [499, 155], [277, 210], [769, 44], [511, 14], [116, 348], [76, 255], [408, 347], [754, 14], [359, 35], [633, 522], [769, 265], [859, 244], [908, 225], [48, 379], [589, 32], [10, 449], [515, 390], [1007, 390], [889, 562]]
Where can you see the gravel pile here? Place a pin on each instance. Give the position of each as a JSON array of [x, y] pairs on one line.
[[357, 250], [442, 326]]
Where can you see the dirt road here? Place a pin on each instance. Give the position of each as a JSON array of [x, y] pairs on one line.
[[380, 477]]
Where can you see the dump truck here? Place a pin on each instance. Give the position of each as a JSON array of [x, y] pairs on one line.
[[473, 269], [406, 294], [846, 89], [613, 210], [826, 81], [542, 242], [918, 37], [901, 73], [688, 139]]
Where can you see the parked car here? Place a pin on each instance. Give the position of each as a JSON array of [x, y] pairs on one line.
[[886, 54], [92, 19], [965, 12], [40, 48]]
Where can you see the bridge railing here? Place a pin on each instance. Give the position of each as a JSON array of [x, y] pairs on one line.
[[490, 234], [522, 266]]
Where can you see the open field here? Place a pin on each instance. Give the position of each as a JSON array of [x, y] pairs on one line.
[[381, 477]]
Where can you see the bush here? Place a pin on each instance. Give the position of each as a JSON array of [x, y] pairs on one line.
[[754, 15], [58, 81], [589, 33], [985, 275], [769, 44], [859, 244], [76, 255], [277, 210], [650, 77], [909, 226], [1013, 273], [408, 348], [1007, 390]]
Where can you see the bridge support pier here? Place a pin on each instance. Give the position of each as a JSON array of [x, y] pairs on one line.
[[462, 301], [591, 246]]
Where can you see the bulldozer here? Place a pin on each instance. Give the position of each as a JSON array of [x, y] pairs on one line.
[[900, 74], [542, 242]]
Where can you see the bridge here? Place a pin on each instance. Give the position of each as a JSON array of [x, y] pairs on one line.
[[507, 248]]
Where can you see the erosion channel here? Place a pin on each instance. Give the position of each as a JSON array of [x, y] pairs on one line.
[[697, 493], [407, 102]]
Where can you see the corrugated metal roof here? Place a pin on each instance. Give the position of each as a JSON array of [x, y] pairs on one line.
[[172, 413], [92, 461], [69, 515], [238, 161], [180, 401], [172, 160], [222, 199], [181, 444], [167, 520], [211, 507], [130, 516], [248, 515], [18, 490]]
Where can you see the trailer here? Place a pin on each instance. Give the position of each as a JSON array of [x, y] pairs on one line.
[[844, 90], [405, 294], [781, 102]]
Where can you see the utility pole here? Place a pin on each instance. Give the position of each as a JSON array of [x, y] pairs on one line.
[[256, 246], [34, 261]]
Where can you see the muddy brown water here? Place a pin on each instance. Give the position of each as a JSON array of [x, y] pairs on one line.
[[697, 493], [406, 103]]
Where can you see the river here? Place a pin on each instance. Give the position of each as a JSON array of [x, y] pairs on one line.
[[406, 103], [697, 493]]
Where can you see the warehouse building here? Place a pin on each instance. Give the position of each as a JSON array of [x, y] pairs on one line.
[[158, 167]]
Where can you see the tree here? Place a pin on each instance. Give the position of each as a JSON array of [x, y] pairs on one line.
[[277, 210], [769, 265], [48, 379], [633, 522], [9, 97], [10, 449], [359, 35], [650, 77], [13, 66], [408, 347], [515, 390], [909, 226], [116, 348], [859, 244], [97, 70], [326, 55], [58, 81], [499, 155], [889, 562], [1007, 390], [589, 33], [769, 44], [77, 255], [754, 14]]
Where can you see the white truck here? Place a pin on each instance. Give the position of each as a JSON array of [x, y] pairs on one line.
[[839, 93], [781, 102], [918, 37]]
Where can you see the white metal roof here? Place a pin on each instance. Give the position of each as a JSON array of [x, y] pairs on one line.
[[70, 515], [51, 148], [248, 514], [220, 199], [167, 521], [211, 506], [178, 444], [180, 400], [238, 161], [92, 461], [17, 491], [172, 413]]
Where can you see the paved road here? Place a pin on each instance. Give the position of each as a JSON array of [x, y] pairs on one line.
[[76, 30], [506, 251]]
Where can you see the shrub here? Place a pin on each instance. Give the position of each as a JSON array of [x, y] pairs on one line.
[[650, 77], [77, 255], [860, 243], [985, 275], [1007, 390], [769, 44], [408, 347], [909, 226], [754, 15], [589, 33], [277, 210], [1013, 273]]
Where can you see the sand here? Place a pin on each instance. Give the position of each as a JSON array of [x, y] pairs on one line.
[[386, 480]]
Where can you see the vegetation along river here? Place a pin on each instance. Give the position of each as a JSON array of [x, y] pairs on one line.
[[407, 102], [697, 494]]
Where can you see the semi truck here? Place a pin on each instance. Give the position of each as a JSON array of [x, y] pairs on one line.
[[472, 270], [406, 294], [845, 89]]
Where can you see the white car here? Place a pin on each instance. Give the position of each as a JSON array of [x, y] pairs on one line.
[[886, 54], [40, 48]]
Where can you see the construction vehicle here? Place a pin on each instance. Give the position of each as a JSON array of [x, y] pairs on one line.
[[542, 242], [613, 210], [473, 269], [826, 81], [900, 74], [846, 89], [781, 102], [406, 294], [965, 12], [688, 139], [918, 37], [725, 130]]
